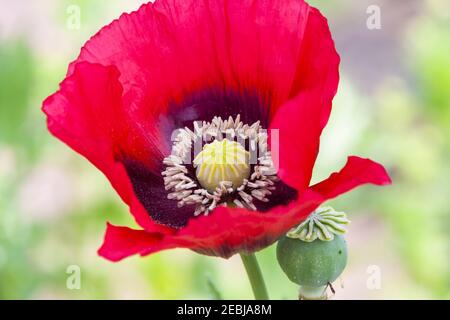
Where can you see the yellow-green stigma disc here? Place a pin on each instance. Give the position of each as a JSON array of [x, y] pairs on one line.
[[222, 161]]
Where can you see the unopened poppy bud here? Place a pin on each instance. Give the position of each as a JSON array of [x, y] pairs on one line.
[[314, 254]]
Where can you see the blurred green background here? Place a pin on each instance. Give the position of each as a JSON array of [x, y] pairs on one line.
[[393, 106]]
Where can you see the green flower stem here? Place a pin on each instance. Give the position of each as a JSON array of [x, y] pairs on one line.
[[255, 276]]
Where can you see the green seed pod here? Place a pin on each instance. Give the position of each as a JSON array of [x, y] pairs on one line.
[[314, 253], [312, 264]]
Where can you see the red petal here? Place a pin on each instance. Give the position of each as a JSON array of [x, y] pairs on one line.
[[295, 151], [228, 231], [357, 171], [87, 114], [121, 242], [170, 48], [301, 120]]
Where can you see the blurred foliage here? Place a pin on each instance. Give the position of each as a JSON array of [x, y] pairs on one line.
[[430, 59], [16, 77], [404, 124]]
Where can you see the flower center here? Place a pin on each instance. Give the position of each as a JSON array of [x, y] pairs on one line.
[[224, 172], [221, 161]]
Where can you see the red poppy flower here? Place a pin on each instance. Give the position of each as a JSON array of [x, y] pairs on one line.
[[238, 67]]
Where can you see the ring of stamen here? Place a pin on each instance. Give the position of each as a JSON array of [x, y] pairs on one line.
[[192, 187]]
